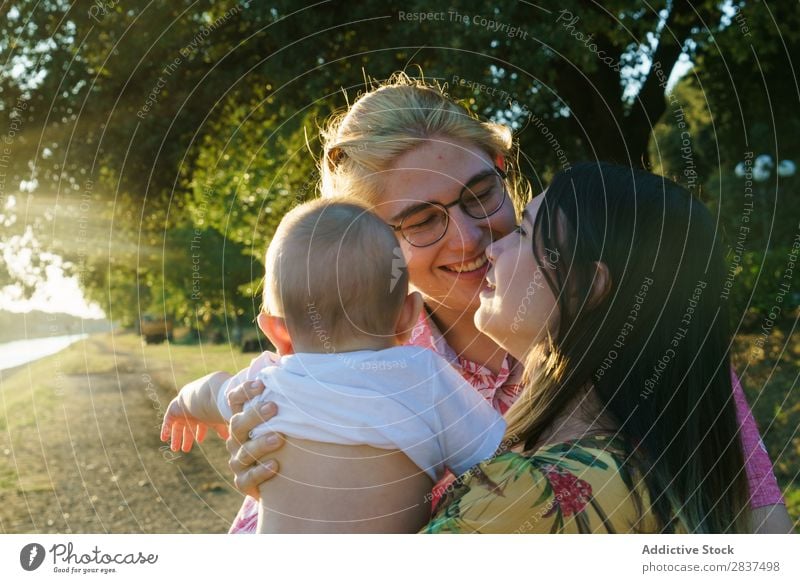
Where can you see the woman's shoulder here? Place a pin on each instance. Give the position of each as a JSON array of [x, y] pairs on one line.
[[583, 485]]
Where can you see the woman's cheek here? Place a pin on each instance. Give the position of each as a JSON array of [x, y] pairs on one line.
[[528, 308], [419, 263], [503, 222]]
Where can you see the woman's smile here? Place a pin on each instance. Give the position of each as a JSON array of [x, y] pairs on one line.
[[471, 269]]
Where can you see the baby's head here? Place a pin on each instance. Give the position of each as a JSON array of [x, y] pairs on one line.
[[336, 281]]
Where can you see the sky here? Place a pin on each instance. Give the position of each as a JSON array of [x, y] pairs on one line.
[[58, 294]]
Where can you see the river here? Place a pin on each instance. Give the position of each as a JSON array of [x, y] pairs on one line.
[[23, 351]]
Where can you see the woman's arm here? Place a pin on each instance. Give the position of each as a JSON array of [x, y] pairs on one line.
[[768, 510], [328, 488]]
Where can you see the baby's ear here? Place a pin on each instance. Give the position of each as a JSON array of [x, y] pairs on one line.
[[275, 329], [409, 315]]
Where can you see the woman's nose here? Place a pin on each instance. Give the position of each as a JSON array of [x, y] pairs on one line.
[[464, 231]]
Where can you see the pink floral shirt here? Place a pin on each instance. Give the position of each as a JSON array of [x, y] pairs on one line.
[[503, 388], [500, 389]]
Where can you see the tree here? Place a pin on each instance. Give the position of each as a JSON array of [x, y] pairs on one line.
[[737, 103], [163, 115]]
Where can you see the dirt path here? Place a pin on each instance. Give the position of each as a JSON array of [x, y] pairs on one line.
[[83, 454]]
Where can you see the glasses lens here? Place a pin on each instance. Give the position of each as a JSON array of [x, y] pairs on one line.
[[425, 226], [484, 197]]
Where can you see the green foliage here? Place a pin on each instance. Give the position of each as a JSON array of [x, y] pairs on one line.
[[170, 117], [736, 104], [757, 298], [252, 167], [190, 274]]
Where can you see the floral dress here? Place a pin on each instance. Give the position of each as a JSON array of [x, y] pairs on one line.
[[579, 486]]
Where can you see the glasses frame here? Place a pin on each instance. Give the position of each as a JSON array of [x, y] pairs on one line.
[[460, 202]]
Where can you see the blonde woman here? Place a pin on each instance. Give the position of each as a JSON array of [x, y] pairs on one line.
[[419, 159]]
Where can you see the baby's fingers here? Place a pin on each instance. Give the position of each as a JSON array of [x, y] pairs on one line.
[[176, 436], [166, 429], [222, 431], [200, 434], [188, 439]]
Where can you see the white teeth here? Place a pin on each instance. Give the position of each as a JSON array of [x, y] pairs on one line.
[[472, 266]]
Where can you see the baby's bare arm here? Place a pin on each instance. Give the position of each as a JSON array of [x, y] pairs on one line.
[[189, 415], [328, 488], [199, 397]]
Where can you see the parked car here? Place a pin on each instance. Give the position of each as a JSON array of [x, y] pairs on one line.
[[155, 329]]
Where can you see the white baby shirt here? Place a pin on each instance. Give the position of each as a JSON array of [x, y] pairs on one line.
[[406, 398]]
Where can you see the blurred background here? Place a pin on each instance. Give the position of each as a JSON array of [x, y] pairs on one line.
[[148, 151]]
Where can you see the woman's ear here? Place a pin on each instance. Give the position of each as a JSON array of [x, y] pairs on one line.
[[275, 329], [409, 315], [601, 285]]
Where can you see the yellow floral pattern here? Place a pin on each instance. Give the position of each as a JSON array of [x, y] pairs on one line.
[[580, 486]]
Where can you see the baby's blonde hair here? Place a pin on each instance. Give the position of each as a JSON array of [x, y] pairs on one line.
[[393, 118], [335, 272]]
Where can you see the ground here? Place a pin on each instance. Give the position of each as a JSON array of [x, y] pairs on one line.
[[81, 452]]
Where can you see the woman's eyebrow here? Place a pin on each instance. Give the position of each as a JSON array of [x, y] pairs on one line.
[[408, 210]]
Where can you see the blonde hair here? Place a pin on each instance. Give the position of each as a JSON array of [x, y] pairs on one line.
[[391, 119], [335, 272]]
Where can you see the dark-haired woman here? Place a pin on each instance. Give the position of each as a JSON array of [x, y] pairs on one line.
[[610, 292]]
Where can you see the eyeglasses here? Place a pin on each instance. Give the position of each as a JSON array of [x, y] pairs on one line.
[[427, 223]]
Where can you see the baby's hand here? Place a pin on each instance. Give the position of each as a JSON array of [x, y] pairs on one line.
[[182, 429]]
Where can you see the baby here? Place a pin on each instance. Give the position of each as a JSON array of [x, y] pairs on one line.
[[338, 309]]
